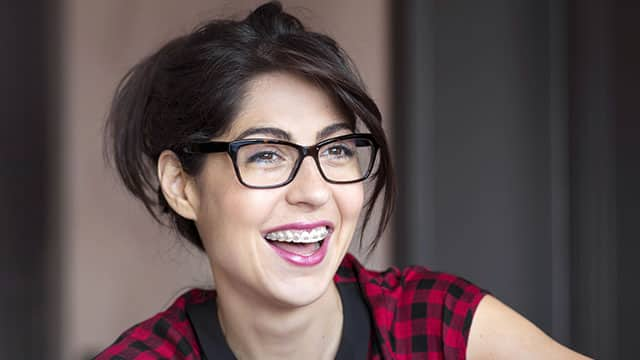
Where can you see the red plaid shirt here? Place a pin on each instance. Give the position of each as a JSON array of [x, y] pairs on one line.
[[415, 314]]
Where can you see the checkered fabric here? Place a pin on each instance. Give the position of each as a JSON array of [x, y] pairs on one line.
[[416, 314], [167, 335]]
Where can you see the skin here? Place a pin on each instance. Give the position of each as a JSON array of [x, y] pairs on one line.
[[269, 308], [498, 332]]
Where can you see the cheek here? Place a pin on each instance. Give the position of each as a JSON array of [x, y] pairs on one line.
[[232, 211], [228, 210], [350, 199]]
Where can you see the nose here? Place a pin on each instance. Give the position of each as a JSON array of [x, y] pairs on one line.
[[308, 187]]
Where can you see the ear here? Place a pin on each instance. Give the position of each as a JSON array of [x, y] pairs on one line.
[[178, 187]]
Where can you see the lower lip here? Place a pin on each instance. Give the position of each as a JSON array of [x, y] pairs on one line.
[[302, 260]]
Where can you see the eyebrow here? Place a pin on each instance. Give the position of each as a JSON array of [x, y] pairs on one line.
[[275, 132], [332, 129], [283, 135]]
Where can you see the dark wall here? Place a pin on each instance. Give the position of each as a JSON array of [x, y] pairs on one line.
[[477, 119], [627, 123], [605, 153], [493, 152], [28, 306], [594, 311], [517, 144]]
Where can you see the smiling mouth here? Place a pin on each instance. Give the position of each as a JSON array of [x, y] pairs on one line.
[[299, 242]]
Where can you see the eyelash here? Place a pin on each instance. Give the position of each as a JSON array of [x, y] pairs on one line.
[[345, 150], [258, 157]]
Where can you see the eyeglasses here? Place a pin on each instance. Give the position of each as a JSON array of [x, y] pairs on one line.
[[266, 163]]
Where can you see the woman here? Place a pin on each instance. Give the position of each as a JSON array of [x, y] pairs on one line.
[[255, 140]]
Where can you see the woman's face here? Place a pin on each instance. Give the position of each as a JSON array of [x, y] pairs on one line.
[[234, 220]]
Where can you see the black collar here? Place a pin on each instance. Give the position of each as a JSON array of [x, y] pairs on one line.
[[356, 327]]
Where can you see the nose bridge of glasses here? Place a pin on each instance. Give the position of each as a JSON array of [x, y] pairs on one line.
[[308, 151]]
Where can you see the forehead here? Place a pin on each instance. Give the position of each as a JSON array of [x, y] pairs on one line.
[[288, 102]]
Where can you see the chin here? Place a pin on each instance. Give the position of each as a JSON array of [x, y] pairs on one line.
[[301, 296], [303, 290]]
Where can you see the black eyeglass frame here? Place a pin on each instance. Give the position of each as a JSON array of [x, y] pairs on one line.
[[233, 147]]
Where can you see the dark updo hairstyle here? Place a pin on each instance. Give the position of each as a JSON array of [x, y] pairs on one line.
[[190, 90]]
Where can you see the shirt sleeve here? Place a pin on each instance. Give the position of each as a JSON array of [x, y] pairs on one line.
[[459, 306], [442, 307]]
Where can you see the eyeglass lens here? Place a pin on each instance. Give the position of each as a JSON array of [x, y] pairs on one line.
[[266, 165]]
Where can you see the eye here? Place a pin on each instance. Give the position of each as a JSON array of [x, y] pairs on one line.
[[338, 151], [265, 157]]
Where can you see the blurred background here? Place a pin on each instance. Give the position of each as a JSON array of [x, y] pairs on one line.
[[515, 130]]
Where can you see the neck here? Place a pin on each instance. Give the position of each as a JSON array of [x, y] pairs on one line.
[[255, 329]]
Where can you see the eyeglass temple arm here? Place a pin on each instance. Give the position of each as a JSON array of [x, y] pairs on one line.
[[208, 147]]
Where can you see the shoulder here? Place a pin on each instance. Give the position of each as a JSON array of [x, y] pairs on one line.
[[499, 332], [418, 294], [168, 334], [417, 310], [412, 285]]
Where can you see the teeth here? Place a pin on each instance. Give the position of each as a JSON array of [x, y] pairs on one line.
[[299, 236]]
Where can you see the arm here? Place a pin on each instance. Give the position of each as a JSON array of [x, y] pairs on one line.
[[498, 332]]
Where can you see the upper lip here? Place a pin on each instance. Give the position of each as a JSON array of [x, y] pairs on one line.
[[300, 226]]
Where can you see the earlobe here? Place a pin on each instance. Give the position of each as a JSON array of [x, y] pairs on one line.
[[177, 186]]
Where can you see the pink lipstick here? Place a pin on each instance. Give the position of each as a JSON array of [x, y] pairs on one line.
[[294, 242]]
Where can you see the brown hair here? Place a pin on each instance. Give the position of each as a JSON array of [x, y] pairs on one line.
[[190, 89]]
